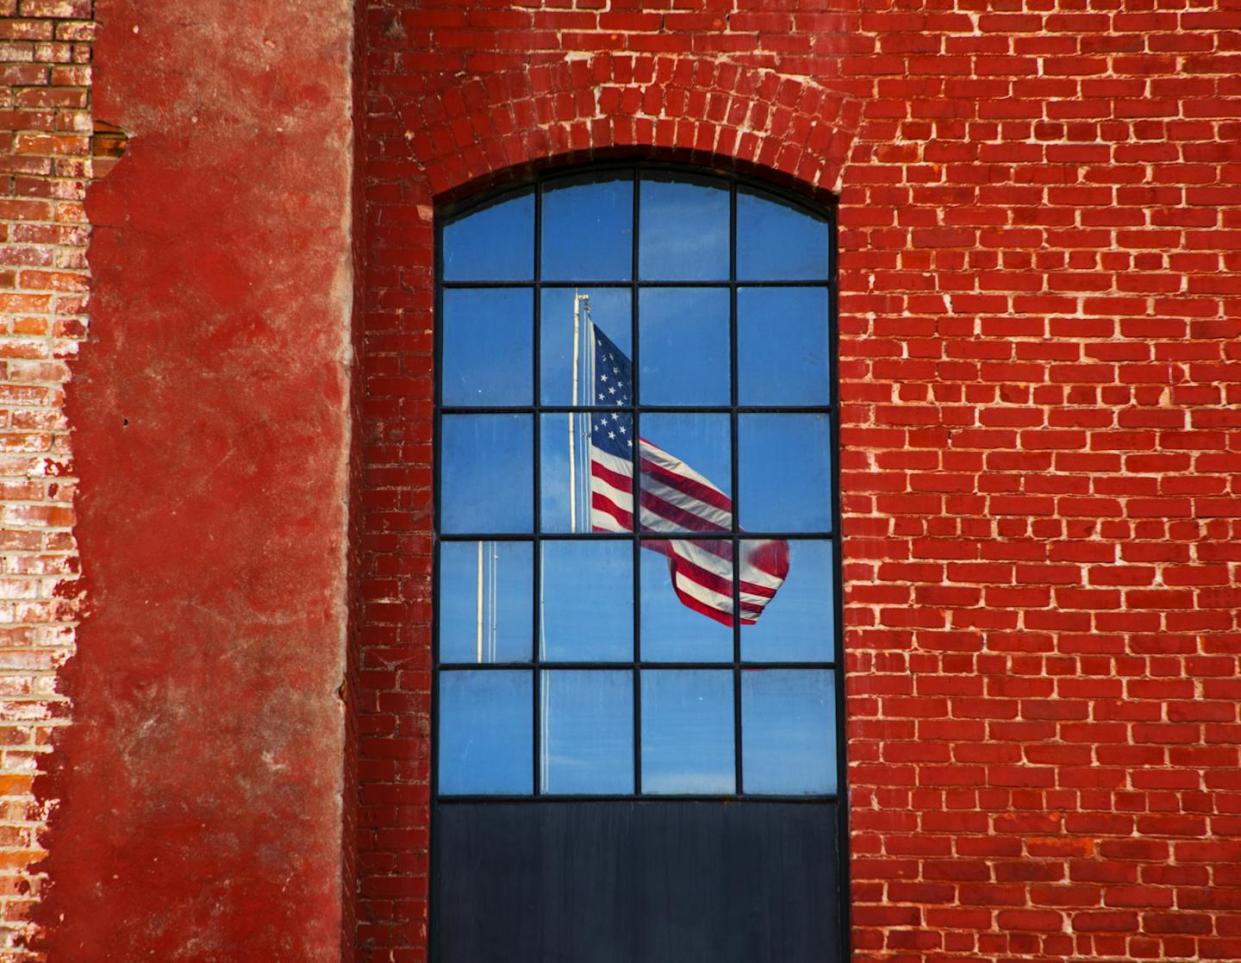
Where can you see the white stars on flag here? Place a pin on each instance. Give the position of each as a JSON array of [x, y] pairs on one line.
[[674, 498]]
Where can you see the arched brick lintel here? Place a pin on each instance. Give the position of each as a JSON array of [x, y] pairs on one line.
[[710, 111]]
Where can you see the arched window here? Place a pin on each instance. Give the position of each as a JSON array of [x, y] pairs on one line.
[[637, 665]]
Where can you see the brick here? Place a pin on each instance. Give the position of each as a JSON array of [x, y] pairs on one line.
[[1039, 249], [42, 151]]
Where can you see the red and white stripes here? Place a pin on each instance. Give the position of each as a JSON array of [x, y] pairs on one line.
[[674, 498]]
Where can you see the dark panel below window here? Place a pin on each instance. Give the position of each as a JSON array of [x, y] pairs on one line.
[[636, 882]]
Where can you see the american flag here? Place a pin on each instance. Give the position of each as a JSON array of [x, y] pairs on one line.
[[673, 498]]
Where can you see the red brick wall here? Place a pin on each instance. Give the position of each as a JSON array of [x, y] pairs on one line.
[[1041, 361], [1043, 488], [45, 159], [1041, 365]]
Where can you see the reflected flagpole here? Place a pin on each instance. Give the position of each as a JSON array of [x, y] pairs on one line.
[[582, 379], [592, 386], [486, 609], [577, 337]]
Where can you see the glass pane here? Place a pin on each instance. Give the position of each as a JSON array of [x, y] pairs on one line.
[[683, 233], [587, 602], [764, 564], [784, 472], [488, 339], [797, 624], [588, 229], [782, 346], [687, 732], [683, 333], [788, 731], [608, 309], [686, 473], [486, 742], [592, 490], [486, 601], [777, 241], [486, 479], [492, 243], [587, 731], [687, 600]]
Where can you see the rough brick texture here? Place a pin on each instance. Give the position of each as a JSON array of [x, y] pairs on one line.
[[1041, 353], [1040, 211], [45, 163]]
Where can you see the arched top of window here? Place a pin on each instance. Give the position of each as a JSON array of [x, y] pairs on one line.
[[637, 224]]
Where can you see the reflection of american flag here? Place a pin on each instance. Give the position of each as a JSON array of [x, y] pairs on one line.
[[674, 498]]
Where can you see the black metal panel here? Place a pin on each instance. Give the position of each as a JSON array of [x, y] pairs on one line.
[[636, 881]]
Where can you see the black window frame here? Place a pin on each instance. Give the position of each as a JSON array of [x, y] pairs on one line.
[[822, 207]]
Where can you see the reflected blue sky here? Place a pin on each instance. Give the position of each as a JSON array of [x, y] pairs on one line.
[[485, 740], [486, 475], [488, 345], [782, 346], [683, 229], [687, 731], [701, 441], [777, 241], [486, 601], [554, 485], [587, 229], [587, 601], [784, 471], [493, 613], [683, 333], [788, 731], [493, 243], [587, 731]]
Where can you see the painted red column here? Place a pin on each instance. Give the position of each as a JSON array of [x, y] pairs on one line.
[[201, 778]]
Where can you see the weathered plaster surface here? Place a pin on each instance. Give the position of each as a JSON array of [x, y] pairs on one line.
[[201, 778]]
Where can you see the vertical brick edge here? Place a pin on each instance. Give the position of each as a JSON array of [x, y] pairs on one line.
[[45, 150]]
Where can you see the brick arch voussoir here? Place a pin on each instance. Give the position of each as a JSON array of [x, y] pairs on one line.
[[491, 126]]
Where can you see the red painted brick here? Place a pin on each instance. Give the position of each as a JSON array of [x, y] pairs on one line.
[[1040, 245]]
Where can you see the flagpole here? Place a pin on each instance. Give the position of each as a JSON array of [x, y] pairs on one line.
[[577, 326], [592, 380]]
